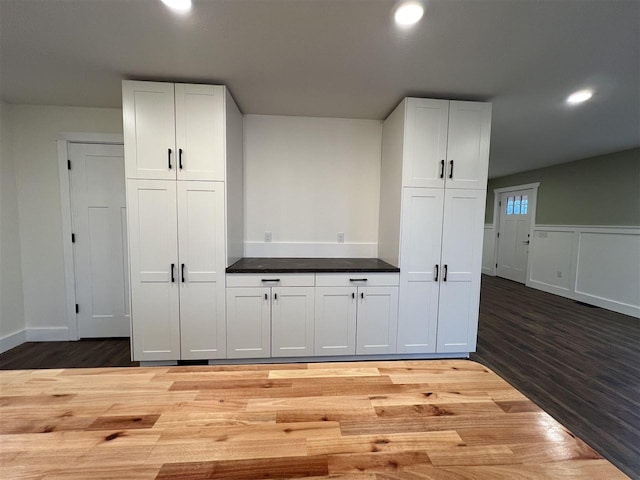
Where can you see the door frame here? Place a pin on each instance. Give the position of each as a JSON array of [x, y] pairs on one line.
[[63, 141], [497, 192]]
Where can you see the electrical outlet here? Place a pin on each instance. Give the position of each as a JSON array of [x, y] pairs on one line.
[[559, 274], [267, 237], [340, 237]]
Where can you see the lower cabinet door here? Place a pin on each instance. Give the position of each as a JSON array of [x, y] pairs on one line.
[[335, 322], [248, 322], [292, 321], [377, 323]]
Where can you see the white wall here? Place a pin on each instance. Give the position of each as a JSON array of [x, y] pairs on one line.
[[34, 130], [12, 323], [488, 247], [306, 179]]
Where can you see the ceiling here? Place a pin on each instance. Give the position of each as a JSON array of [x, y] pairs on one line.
[[346, 58]]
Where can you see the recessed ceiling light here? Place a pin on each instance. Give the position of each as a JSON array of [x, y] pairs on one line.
[[579, 97], [409, 13], [180, 6]]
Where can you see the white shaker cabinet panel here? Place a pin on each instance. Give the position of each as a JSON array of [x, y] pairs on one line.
[[377, 320], [292, 321], [248, 322], [425, 147], [335, 322], [421, 237], [461, 267], [202, 269], [200, 132], [153, 246], [149, 130], [468, 145]]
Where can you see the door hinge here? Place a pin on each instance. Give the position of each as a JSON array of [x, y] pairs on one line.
[[68, 164], [77, 308], [73, 238]]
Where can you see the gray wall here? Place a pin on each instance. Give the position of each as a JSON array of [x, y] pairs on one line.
[[603, 190]]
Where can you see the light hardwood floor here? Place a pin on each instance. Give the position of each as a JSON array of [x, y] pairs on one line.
[[448, 419]]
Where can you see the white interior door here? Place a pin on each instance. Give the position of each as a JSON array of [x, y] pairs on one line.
[[202, 270], [99, 220], [513, 239]]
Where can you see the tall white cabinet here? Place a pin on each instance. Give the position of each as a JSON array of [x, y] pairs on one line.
[[183, 162], [435, 156]]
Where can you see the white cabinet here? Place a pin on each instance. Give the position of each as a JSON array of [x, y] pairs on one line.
[[174, 131], [461, 265], [292, 321], [181, 140], [357, 319], [422, 211], [177, 292], [265, 321], [445, 143], [440, 151], [201, 269], [153, 247], [248, 322], [335, 328]]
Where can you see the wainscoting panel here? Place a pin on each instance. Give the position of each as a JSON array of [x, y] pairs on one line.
[[599, 265]]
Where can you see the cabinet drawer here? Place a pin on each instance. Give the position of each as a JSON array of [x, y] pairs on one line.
[[270, 280], [357, 279]]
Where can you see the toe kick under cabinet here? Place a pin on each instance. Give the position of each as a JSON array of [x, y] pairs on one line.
[[305, 315]]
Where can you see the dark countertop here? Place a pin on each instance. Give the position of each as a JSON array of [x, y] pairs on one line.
[[310, 265]]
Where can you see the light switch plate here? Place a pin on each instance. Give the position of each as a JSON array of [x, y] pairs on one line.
[[340, 237], [267, 237]]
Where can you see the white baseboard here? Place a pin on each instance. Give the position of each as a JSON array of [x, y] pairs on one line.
[[12, 340], [48, 334], [311, 249]]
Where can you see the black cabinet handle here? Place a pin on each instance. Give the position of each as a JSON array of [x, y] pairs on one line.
[[353, 295], [357, 279], [362, 295], [451, 171], [265, 297], [173, 278], [441, 168], [444, 278], [169, 157], [275, 296], [180, 158], [436, 279], [182, 272], [270, 279]]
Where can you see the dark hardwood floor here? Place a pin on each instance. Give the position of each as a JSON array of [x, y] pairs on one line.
[[578, 363]]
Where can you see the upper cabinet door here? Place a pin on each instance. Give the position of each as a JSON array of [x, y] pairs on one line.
[[468, 145], [149, 130], [201, 270], [425, 142], [200, 132]]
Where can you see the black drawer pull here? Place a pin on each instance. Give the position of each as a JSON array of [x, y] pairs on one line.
[[357, 279], [270, 279]]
